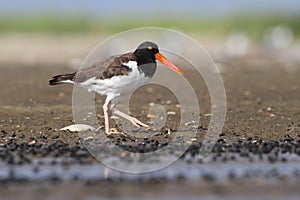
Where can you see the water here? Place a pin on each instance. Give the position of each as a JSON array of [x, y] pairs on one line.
[[188, 169]]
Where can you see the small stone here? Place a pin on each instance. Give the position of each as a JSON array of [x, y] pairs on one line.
[[88, 138], [171, 113], [151, 104], [150, 116], [4, 133], [169, 131], [168, 102], [189, 123], [32, 142]]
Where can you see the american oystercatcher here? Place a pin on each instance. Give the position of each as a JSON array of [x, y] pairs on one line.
[[118, 75]]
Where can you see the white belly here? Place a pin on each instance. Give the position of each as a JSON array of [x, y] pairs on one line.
[[117, 85]]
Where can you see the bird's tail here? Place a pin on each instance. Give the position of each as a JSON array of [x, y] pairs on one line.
[[62, 78]]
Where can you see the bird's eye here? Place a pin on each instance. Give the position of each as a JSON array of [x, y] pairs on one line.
[[149, 47]]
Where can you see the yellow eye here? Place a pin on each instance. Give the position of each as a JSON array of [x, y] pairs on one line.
[[149, 47]]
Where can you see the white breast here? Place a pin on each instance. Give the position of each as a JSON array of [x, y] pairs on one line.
[[117, 85]]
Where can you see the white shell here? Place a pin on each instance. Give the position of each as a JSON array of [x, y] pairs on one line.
[[78, 127]]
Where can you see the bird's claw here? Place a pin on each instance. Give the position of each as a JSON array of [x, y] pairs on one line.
[[137, 122]]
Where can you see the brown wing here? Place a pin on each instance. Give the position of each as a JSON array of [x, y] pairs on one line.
[[101, 70], [106, 69]]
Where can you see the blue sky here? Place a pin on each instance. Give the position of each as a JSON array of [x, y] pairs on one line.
[[148, 8]]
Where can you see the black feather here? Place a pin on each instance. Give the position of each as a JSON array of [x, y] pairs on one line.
[[62, 77]]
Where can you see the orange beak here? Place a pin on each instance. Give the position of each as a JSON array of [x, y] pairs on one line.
[[168, 63]]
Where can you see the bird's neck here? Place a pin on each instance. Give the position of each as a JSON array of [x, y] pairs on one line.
[[147, 68]]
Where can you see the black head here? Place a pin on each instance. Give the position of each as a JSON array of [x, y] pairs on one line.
[[146, 52]]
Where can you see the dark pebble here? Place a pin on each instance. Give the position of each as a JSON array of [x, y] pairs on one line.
[[202, 128], [43, 137], [55, 137], [22, 136], [4, 133]]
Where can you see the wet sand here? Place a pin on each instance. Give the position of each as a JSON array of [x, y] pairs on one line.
[[262, 99]]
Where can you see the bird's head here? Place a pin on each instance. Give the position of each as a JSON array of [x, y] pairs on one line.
[[148, 52]]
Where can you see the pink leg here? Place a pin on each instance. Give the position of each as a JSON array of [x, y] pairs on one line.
[[133, 120], [105, 111]]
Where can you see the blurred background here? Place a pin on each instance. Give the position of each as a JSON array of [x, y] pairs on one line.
[[69, 29], [255, 44]]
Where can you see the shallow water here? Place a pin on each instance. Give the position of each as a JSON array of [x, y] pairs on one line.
[[188, 169], [187, 178]]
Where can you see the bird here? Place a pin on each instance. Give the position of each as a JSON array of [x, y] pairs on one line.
[[118, 75]]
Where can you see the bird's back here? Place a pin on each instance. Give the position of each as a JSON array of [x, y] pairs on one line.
[[105, 69]]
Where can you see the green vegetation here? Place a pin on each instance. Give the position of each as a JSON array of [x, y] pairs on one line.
[[252, 25]]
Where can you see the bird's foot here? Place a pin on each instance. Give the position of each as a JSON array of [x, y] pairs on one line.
[[137, 122], [100, 127], [107, 130]]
